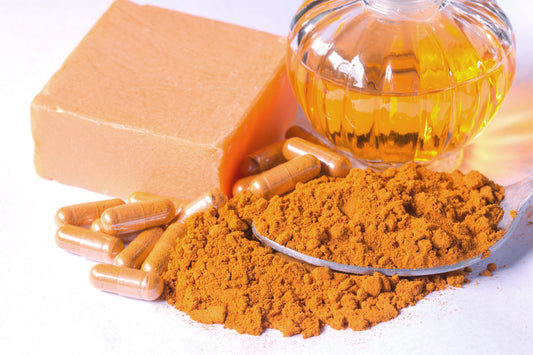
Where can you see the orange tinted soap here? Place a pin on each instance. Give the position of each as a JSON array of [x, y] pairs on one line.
[[161, 101]]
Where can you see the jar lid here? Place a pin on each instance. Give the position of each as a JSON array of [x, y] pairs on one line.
[[404, 47]]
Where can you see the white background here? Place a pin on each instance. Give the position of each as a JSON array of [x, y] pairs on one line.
[[47, 304]]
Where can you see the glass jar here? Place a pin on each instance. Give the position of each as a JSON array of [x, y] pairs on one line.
[[395, 81]]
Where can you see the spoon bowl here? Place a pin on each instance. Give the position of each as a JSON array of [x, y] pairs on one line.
[[518, 197]]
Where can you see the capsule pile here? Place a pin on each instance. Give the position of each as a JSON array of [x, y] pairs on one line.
[[130, 240], [277, 168]]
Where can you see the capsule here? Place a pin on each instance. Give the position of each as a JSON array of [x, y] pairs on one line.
[[96, 226], [214, 198], [136, 252], [127, 282], [139, 196], [297, 131], [84, 213], [137, 216], [333, 164], [284, 177], [242, 185], [88, 244], [156, 261], [263, 159]]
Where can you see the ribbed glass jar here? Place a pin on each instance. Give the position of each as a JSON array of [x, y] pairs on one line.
[[394, 81]]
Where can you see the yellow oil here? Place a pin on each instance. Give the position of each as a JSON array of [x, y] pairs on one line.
[[429, 89]]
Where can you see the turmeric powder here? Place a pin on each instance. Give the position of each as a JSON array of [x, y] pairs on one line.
[[219, 272], [409, 217]]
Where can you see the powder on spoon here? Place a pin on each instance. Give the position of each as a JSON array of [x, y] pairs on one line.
[[409, 217]]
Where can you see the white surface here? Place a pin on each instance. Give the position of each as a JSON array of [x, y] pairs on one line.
[[48, 305]]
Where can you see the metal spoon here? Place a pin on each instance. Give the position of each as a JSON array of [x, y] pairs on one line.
[[518, 197]]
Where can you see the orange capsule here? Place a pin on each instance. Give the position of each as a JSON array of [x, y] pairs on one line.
[[214, 198], [284, 177], [243, 184], [333, 164], [84, 213], [89, 244], [263, 159], [139, 196], [127, 282], [96, 226], [134, 254], [297, 131], [137, 216], [156, 261]]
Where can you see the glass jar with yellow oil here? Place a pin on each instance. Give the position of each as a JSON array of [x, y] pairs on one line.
[[395, 81]]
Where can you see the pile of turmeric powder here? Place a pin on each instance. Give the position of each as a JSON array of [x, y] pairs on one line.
[[410, 217], [219, 272]]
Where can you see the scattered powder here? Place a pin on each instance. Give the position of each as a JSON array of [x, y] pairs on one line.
[[492, 267], [409, 217]]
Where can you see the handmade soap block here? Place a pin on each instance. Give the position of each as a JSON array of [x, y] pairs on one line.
[[160, 101]]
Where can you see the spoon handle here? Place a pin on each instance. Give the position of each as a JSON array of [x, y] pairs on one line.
[[518, 197]]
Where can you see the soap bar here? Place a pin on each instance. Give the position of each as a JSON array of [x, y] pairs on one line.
[[161, 101]]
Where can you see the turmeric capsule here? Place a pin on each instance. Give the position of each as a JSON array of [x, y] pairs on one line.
[[96, 226], [89, 244], [263, 159], [156, 261], [139, 248], [333, 164], [214, 198], [242, 185], [127, 282], [284, 177], [84, 213], [297, 131], [137, 216], [139, 196]]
